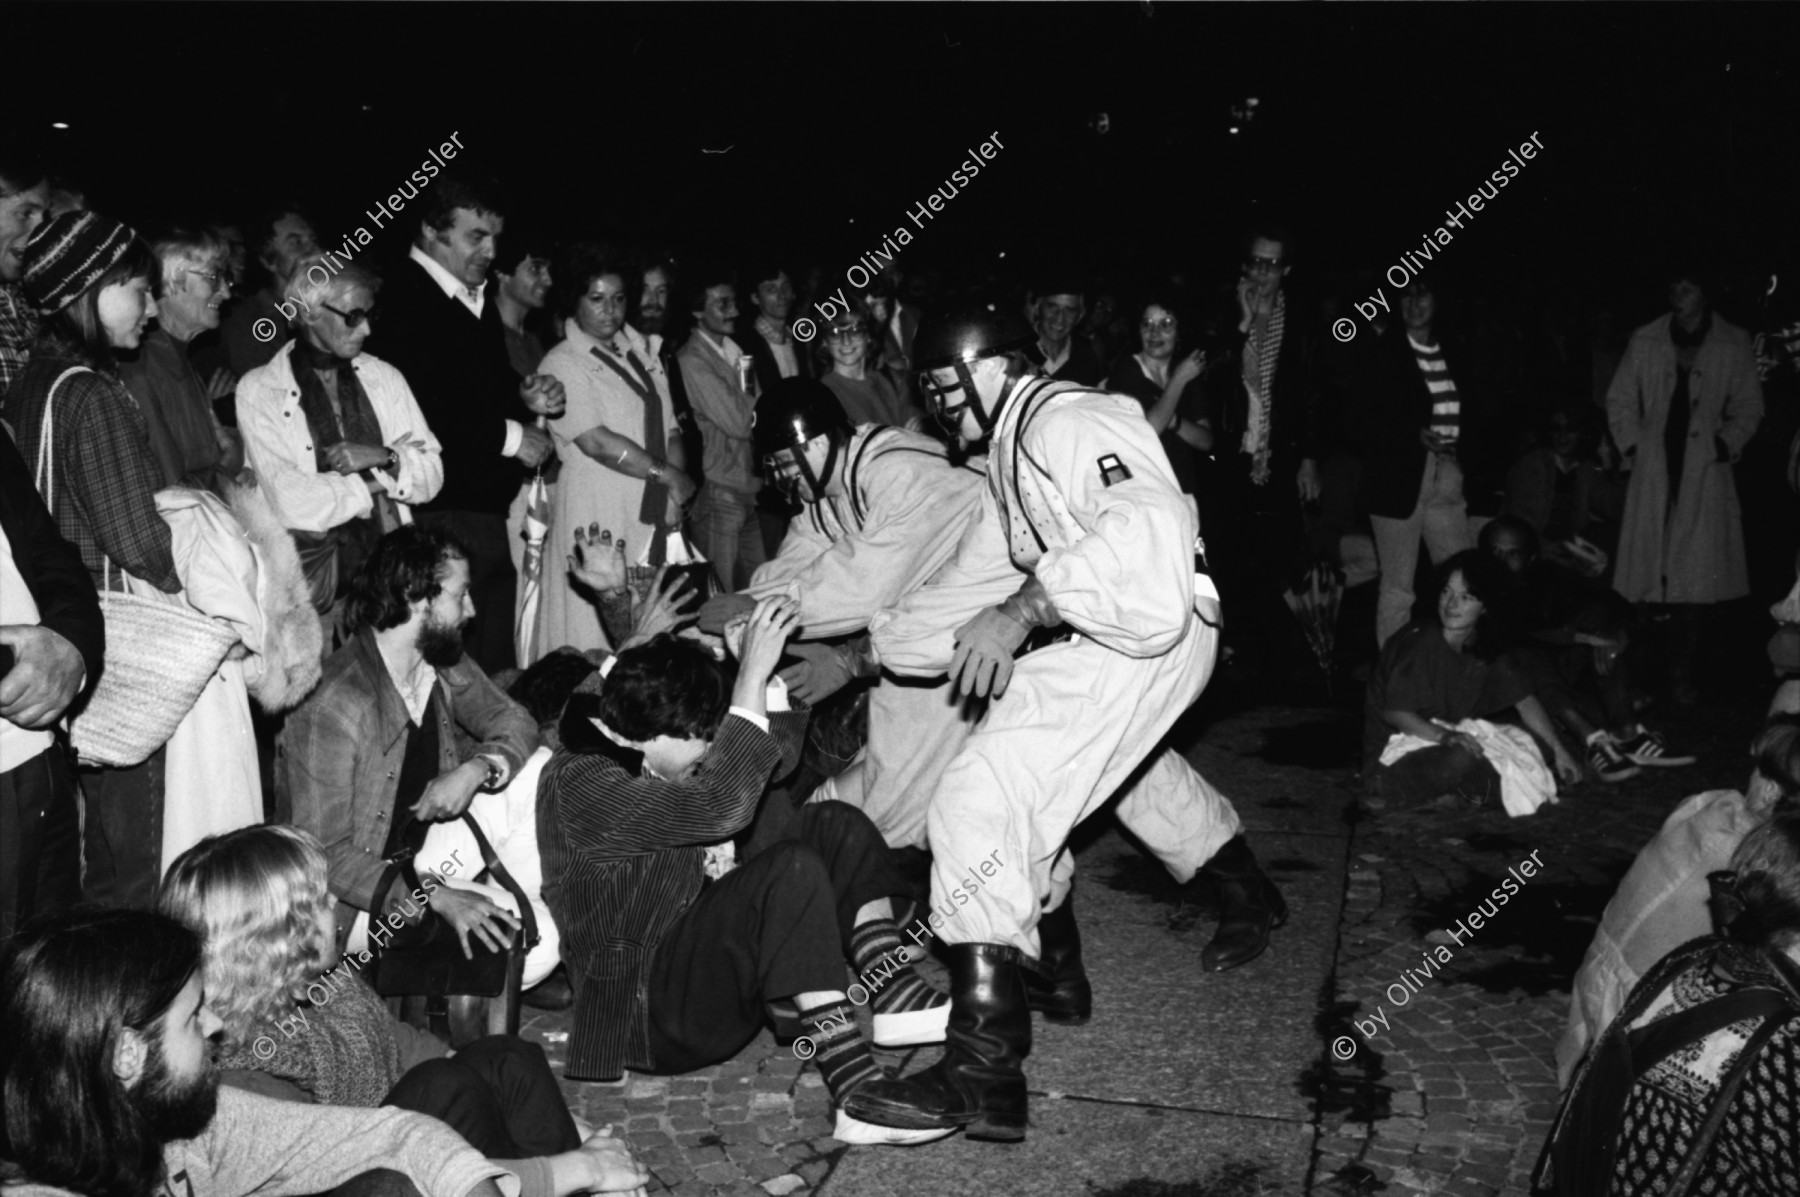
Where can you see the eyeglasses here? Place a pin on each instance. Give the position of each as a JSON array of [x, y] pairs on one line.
[[1260, 265], [354, 316], [214, 279], [1166, 324], [854, 332]]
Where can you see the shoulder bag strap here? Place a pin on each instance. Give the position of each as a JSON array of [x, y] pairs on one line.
[[499, 872], [45, 474], [1709, 1130]]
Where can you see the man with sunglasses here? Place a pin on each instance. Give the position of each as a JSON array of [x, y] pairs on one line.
[[882, 510], [1268, 434], [334, 435], [191, 447], [1081, 538]]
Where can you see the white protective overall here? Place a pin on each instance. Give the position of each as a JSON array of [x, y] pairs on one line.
[[903, 511], [1080, 494]]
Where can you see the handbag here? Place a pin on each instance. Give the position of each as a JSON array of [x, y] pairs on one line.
[[160, 653], [1578, 1158], [427, 958]]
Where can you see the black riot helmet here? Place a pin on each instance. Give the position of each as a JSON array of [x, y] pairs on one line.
[[791, 413], [957, 337]]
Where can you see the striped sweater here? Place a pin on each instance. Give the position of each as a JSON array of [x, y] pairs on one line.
[[1446, 406]]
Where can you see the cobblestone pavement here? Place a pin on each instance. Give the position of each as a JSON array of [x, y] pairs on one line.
[[1452, 1095], [1456, 1092]]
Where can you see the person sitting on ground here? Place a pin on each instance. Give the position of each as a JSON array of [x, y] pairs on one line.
[[110, 1091], [301, 1023], [1572, 640], [1661, 902], [1691, 1088], [1431, 675], [674, 971], [370, 761]]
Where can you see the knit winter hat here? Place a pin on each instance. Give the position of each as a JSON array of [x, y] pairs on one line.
[[68, 254]]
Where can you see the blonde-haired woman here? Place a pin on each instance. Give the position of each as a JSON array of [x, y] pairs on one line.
[[301, 1022]]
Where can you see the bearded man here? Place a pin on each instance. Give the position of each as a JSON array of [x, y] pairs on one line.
[[370, 759]]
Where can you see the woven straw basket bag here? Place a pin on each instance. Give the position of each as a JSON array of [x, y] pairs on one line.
[[159, 654]]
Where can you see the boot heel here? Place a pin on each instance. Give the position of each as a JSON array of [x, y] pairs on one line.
[[996, 1128]]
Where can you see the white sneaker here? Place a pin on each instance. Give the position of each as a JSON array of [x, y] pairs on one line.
[[868, 1134], [915, 1028]]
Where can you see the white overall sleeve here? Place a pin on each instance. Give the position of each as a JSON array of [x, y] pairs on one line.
[[917, 636], [1128, 582]]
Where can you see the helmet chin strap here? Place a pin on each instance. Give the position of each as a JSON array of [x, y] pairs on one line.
[[817, 482]]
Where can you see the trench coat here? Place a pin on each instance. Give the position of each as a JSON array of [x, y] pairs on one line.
[[1695, 552]]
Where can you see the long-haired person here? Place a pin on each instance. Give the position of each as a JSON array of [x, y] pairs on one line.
[[1691, 1089], [1164, 385], [90, 279], [108, 1087], [295, 1009], [1431, 675]]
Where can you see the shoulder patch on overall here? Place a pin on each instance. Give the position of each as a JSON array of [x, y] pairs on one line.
[[1113, 470]]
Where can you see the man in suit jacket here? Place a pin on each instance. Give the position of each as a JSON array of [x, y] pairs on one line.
[[442, 330], [51, 640], [775, 353], [717, 372]]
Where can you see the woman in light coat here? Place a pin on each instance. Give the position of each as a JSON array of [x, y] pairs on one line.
[[1684, 403], [334, 435]]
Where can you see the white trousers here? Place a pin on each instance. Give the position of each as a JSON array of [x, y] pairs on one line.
[[1441, 519], [915, 729], [1075, 723]]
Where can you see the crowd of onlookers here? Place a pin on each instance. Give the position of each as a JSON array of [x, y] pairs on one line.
[[407, 490]]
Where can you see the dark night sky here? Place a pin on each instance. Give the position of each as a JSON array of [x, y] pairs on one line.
[[1663, 126]]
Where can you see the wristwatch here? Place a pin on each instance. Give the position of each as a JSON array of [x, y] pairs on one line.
[[393, 460], [655, 471], [495, 776]]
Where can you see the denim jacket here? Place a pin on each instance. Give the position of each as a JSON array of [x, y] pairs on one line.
[[337, 765]]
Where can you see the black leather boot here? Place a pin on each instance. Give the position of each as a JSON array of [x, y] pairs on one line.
[[1059, 988], [980, 1083], [1252, 906]]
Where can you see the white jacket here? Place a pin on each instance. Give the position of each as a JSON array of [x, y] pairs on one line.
[[278, 445]]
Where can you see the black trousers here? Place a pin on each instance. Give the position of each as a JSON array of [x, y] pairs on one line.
[[123, 836], [1420, 776], [40, 839], [777, 925], [493, 584], [498, 1093]]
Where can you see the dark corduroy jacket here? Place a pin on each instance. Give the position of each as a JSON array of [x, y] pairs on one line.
[[623, 857], [459, 371]]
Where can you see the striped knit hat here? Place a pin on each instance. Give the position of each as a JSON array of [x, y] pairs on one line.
[[68, 254]]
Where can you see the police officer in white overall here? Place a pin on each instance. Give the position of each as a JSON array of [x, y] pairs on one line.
[[883, 510], [1083, 529]]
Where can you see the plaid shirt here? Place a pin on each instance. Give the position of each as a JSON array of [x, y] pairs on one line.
[[18, 329], [105, 477]]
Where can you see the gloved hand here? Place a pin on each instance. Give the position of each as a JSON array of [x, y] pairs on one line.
[[822, 672], [983, 663], [721, 609]]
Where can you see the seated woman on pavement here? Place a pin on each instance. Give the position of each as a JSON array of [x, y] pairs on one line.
[[1572, 645], [300, 1022], [1431, 677], [1691, 1089], [1661, 902], [676, 948]]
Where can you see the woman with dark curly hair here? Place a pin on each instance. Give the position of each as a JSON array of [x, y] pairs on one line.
[[1432, 676]]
